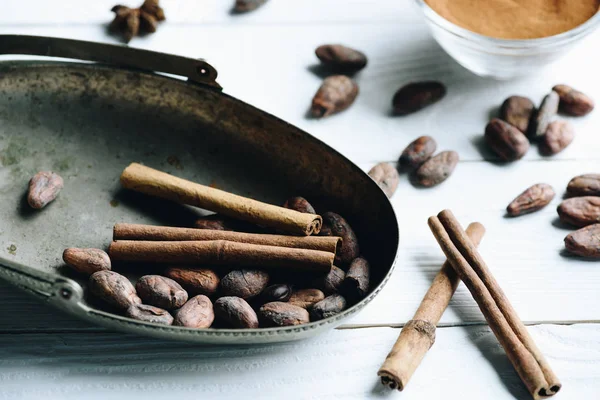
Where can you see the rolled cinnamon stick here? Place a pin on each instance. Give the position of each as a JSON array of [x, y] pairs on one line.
[[418, 335], [156, 183], [167, 233], [221, 252], [526, 358]]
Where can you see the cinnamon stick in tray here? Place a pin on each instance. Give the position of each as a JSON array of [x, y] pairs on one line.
[[156, 183], [221, 252], [167, 233], [418, 335], [526, 358]]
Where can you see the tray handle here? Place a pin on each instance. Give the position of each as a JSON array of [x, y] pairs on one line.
[[197, 71]]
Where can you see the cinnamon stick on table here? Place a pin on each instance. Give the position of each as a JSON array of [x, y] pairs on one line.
[[418, 335], [221, 252], [167, 233], [156, 183], [526, 358]]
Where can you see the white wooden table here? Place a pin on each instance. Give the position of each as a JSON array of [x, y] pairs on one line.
[[264, 58]]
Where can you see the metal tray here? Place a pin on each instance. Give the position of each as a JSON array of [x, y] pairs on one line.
[[87, 121]]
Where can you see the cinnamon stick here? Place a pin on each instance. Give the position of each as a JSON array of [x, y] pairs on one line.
[[156, 183], [528, 361], [418, 335], [167, 233], [221, 252]]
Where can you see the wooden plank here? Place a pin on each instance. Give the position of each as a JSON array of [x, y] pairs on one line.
[[340, 364]]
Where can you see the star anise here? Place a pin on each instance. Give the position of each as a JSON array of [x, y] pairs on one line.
[[130, 21]]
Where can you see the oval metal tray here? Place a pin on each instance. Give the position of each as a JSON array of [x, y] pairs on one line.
[[88, 121]]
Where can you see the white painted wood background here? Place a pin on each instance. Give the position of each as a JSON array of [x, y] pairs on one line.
[[264, 58]]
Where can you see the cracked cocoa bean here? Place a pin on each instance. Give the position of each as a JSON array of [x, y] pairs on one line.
[[328, 307], [43, 189], [282, 314], [584, 185], [196, 313], [341, 59], [573, 102], [356, 282], [417, 152], [336, 94], [114, 289], [437, 169], [506, 141], [517, 111], [584, 242], [580, 211], [235, 312], [299, 204], [558, 136], [416, 96], [544, 115], [86, 261], [386, 176], [277, 292], [161, 292], [244, 283], [146, 313], [195, 280], [306, 298], [335, 225], [532, 199], [330, 282]]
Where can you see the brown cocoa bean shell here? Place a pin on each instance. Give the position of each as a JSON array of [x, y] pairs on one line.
[[336, 94], [244, 283], [195, 280], [532, 199], [196, 313], [416, 96], [87, 261], [584, 185], [580, 211], [341, 59], [282, 314], [544, 115], [277, 292], [584, 242], [244, 6], [356, 282], [517, 111], [437, 169], [506, 141], [43, 189], [330, 282], [160, 291], [558, 136], [299, 204], [386, 176], [328, 307], [335, 225], [146, 313], [114, 289], [306, 298], [417, 152], [235, 312], [573, 102]]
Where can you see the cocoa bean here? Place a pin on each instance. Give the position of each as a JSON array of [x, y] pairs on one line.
[[437, 169], [336, 94], [580, 211], [584, 185], [214, 222], [341, 59], [386, 176], [328, 307], [356, 282], [573, 102], [532, 199], [161, 292], [416, 96], [235, 312], [544, 115], [299, 204], [331, 282], [43, 189], [417, 152], [584, 242], [277, 292], [335, 225], [306, 298], [244, 283], [146, 313], [195, 280], [243, 6], [277, 313], [86, 261], [196, 313], [558, 136], [517, 111], [506, 141], [114, 289]]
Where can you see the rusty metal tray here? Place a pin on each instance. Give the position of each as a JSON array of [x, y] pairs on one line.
[[87, 121]]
